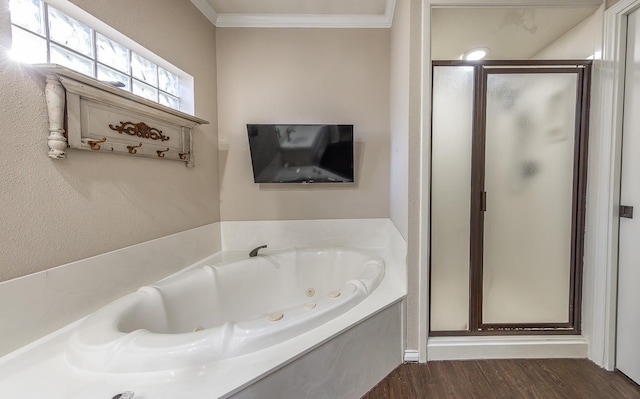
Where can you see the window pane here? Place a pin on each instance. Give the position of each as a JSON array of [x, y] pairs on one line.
[[144, 70], [113, 54], [27, 47], [111, 76], [145, 91], [71, 60], [69, 32], [169, 101], [167, 81], [28, 14]]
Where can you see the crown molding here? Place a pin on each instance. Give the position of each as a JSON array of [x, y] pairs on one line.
[[296, 20], [301, 21], [205, 8]]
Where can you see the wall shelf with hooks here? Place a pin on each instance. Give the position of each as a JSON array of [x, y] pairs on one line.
[[87, 114]]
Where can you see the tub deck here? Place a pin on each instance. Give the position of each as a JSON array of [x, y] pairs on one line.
[[45, 361]]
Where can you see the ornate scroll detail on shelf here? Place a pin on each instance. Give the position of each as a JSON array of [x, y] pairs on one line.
[[161, 153], [94, 144], [139, 129], [183, 155], [132, 148]]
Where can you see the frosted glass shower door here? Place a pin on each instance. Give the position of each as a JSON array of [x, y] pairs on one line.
[[530, 130], [507, 196], [453, 97]]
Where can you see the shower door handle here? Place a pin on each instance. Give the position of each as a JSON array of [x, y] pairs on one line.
[[483, 201], [626, 211]]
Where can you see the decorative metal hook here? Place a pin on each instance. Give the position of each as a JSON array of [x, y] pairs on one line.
[[132, 148], [183, 155], [94, 144], [161, 153]]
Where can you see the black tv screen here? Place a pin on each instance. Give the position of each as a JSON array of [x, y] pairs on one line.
[[301, 153]]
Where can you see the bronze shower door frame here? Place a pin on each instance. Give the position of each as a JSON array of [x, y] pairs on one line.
[[582, 70]]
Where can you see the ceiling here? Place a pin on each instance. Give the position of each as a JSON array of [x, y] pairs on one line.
[[509, 33], [298, 13]]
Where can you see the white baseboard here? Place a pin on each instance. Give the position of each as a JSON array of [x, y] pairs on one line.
[[509, 347], [411, 356]]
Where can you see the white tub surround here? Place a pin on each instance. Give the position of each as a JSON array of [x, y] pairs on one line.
[[38, 304], [47, 361], [347, 367]]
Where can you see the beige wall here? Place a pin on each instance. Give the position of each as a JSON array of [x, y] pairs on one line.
[[582, 41], [399, 102], [609, 3], [304, 76], [54, 212]]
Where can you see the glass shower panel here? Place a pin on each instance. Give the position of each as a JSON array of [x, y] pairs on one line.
[[529, 155], [450, 196]]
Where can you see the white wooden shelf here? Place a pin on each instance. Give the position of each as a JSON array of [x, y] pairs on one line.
[[104, 119]]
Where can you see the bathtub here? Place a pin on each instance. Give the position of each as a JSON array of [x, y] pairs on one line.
[[221, 311]]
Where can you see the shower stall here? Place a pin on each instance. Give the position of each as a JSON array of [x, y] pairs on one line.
[[508, 179]]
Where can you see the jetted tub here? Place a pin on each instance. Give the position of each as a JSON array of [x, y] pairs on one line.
[[226, 310]]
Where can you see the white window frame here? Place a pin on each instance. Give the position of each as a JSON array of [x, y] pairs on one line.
[[186, 81]]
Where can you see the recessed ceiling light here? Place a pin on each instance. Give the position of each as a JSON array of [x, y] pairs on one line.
[[475, 54]]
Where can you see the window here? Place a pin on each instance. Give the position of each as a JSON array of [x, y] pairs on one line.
[[43, 33]]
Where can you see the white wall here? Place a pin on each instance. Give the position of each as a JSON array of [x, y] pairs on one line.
[[399, 99], [584, 40], [581, 42], [57, 211], [304, 76], [417, 242]]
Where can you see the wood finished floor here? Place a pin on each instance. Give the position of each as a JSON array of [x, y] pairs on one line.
[[544, 379]]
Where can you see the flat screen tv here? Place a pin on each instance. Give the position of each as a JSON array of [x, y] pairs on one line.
[[301, 153]]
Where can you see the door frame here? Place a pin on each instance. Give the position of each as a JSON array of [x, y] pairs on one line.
[[603, 231]]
